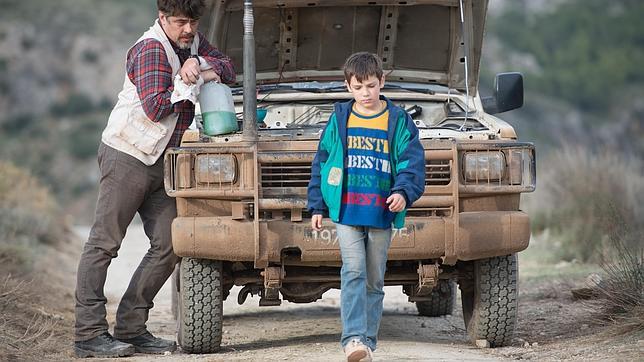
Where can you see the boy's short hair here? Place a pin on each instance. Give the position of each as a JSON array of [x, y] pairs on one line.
[[362, 65], [192, 9]]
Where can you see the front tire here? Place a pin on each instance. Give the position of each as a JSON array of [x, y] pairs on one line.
[[490, 300], [200, 305]]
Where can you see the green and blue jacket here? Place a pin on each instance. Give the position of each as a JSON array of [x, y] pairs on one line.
[[329, 165]]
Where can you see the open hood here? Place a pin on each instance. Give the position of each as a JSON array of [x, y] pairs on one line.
[[418, 41]]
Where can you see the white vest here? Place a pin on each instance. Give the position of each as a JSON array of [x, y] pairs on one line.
[[129, 129]]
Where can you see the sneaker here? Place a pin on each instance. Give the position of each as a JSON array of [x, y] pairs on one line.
[[147, 343], [369, 357], [356, 351], [103, 345]]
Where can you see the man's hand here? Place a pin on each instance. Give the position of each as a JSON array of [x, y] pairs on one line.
[[396, 202], [190, 71], [316, 222], [209, 75]]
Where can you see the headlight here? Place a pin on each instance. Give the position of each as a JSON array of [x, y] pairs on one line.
[[484, 166], [214, 168]]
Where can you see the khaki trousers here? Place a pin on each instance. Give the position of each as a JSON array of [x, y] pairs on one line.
[[127, 186]]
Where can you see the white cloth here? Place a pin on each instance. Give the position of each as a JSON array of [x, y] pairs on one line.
[[183, 91]]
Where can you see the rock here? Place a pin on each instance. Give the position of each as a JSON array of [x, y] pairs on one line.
[[562, 264], [534, 344], [423, 325], [167, 353], [584, 293], [593, 280], [526, 344], [482, 343]]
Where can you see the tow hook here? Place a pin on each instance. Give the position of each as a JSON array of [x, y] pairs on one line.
[[427, 278], [270, 295], [252, 289]]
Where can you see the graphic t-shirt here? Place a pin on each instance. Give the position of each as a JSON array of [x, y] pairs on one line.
[[368, 172]]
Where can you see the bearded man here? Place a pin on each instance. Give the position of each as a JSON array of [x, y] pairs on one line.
[[142, 125]]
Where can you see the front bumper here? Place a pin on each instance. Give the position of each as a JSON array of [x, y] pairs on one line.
[[480, 235]]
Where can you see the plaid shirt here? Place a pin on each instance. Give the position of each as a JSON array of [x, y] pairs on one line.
[[149, 70]]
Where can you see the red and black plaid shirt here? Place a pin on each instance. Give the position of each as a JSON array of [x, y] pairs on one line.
[[149, 70]]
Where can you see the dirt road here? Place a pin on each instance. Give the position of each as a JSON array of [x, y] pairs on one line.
[[297, 332]]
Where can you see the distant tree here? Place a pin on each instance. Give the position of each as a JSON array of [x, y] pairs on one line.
[[584, 49]]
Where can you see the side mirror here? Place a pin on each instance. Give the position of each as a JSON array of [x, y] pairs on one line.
[[508, 93]]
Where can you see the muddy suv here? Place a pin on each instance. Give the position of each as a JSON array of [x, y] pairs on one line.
[[241, 197]]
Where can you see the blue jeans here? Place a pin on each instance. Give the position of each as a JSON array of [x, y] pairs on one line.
[[364, 259]]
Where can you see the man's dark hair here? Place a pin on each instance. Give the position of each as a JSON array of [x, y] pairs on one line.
[[362, 65], [192, 9]]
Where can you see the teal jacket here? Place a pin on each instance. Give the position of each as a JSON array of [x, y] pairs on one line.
[[407, 158]]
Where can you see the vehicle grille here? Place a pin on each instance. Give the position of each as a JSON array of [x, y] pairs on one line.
[[437, 172], [277, 175]]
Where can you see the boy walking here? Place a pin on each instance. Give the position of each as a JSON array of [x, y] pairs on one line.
[[368, 169]]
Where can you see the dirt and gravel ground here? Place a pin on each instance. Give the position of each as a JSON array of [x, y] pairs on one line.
[[298, 332], [551, 325]]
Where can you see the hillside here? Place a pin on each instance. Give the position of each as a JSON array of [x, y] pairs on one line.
[[61, 66], [583, 75]]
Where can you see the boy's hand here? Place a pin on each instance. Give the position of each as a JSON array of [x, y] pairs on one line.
[[316, 222], [396, 202]]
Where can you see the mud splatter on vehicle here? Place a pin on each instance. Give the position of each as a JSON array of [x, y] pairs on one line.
[[241, 197]]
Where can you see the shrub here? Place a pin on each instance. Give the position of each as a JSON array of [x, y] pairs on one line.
[[75, 104], [584, 198], [83, 139], [28, 214], [18, 124], [621, 293]]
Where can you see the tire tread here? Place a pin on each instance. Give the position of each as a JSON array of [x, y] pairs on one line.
[[201, 298]]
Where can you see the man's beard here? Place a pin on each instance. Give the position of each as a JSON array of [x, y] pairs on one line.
[[183, 43]]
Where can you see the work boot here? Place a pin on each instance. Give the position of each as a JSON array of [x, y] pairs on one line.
[[356, 351], [103, 345], [147, 343]]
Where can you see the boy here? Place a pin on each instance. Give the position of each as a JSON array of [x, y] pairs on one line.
[[368, 168]]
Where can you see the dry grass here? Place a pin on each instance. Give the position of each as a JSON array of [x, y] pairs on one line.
[[28, 214], [589, 207], [26, 330], [621, 294], [31, 324], [585, 198]]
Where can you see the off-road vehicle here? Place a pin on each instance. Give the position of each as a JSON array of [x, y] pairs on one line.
[[241, 197]]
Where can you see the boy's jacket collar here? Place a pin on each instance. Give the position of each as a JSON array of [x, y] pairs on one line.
[[342, 110]]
